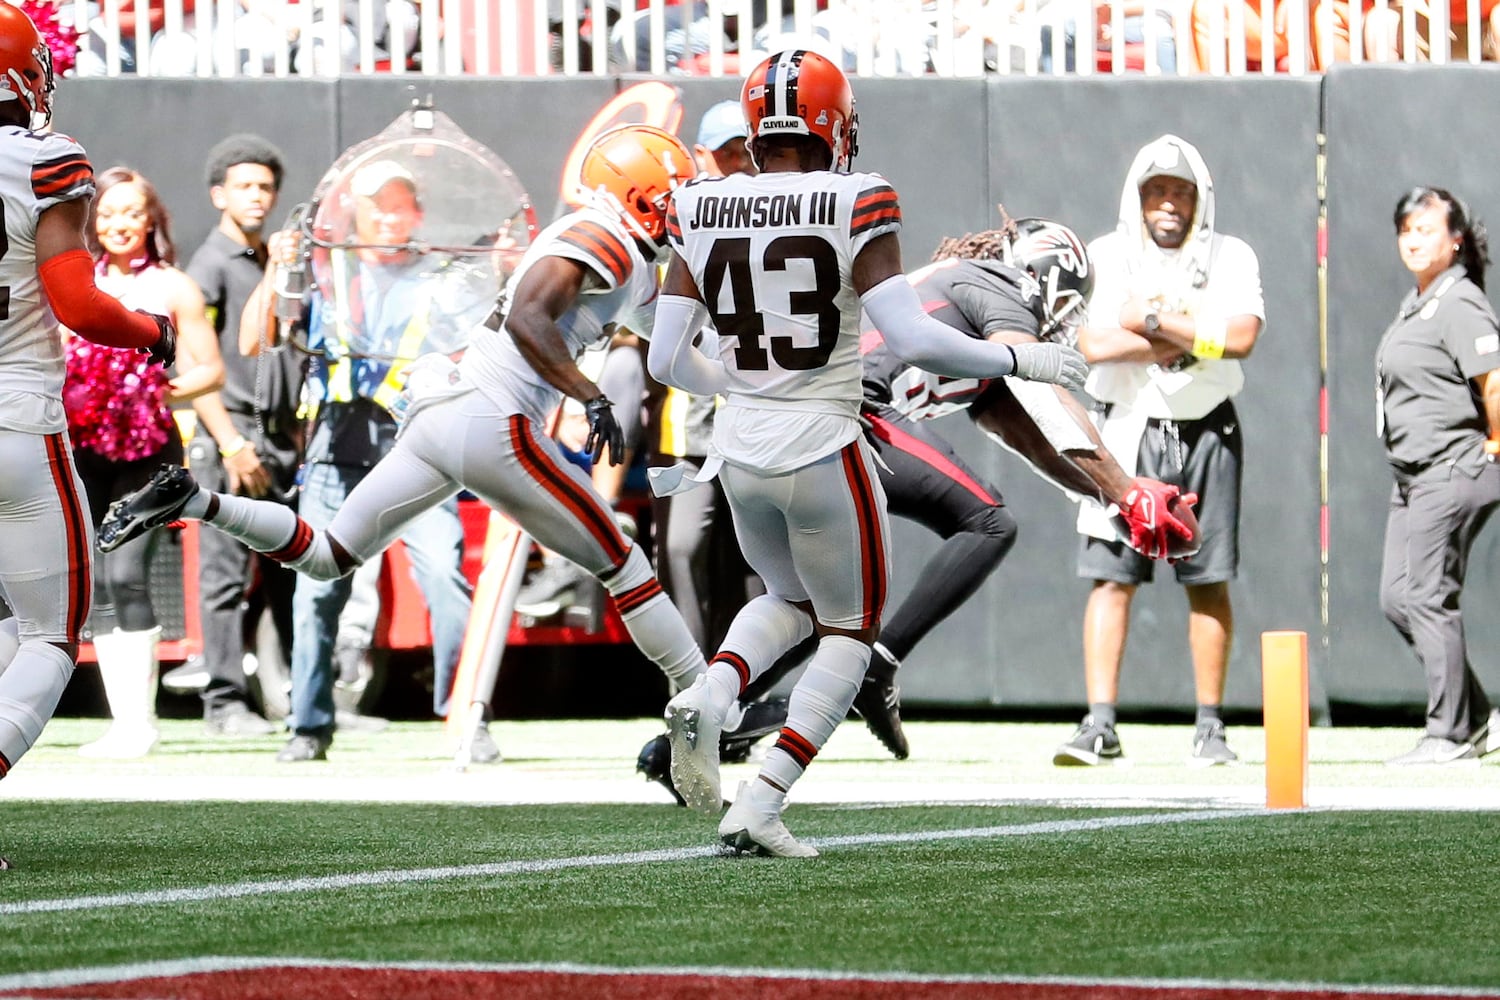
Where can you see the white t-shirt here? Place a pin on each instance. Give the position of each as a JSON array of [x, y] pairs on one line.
[[1233, 289]]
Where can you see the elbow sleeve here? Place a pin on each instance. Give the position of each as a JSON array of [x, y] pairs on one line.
[[918, 339], [68, 280], [672, 359]]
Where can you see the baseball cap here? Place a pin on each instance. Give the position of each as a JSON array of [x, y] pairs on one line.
[[1169, 161], [370, 178], [720, 123]]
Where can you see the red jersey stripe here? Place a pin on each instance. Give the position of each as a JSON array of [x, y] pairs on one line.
[[603, 246]]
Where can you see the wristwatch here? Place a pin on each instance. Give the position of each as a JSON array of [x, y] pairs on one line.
[[1152, 323]]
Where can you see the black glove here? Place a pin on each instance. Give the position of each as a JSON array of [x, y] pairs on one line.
[[164, 351], [604, 430]]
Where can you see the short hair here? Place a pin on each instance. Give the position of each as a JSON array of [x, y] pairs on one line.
[[245, 147], [812, 152], [159, 245], [988, 245]]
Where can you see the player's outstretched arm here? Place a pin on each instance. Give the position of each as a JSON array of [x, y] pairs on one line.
[[680, 314], [67, 275], [918, 339]]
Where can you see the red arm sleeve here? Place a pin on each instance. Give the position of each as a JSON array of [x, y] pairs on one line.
[[68, 280]]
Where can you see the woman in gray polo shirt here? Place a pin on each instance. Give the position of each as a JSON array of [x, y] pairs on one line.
[[1438, 380]]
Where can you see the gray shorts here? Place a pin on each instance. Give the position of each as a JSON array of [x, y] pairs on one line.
[[1199, 456]]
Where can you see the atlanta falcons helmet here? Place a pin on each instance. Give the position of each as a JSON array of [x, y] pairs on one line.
[[631, 170], [1054, 255], [799, 92], [25, 66]]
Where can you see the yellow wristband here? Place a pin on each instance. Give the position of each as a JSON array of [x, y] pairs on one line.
[[1208, 338], [233, 448]]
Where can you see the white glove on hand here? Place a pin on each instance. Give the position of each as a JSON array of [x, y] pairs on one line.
[[1054, 363]]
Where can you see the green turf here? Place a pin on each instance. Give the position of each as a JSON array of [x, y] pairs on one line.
[[1354, 897]]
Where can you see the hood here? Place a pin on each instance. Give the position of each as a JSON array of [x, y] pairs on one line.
[[1179, 158]]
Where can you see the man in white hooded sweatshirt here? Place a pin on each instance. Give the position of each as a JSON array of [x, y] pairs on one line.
[[1175, 306]]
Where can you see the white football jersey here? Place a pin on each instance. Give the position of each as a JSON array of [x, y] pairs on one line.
[[37, 170], [622, 290], [773, 256]]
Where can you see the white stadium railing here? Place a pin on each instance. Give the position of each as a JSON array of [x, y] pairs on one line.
[[953, 38]]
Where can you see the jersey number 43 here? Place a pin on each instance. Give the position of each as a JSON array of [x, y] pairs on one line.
[[730, 260]]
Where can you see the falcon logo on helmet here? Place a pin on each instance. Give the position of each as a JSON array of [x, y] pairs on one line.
[[25, 66], [1054, 255], [631, 171], [799, 92]]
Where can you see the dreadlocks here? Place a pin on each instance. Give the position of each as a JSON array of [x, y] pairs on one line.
[[988, 245]]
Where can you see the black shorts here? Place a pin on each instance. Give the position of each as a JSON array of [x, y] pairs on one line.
[[1199, 456], [924, 478]]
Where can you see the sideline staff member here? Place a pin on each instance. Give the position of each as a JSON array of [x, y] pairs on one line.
[[1438, 379]]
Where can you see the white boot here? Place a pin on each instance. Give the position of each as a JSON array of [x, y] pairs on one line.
[[128, 666]]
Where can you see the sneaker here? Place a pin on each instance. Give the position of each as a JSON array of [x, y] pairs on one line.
[[754, 826], [482, 748], [234, 718], [191, 677], [550, 590], [655, 762], [1210, 746], [1090, 746], [878, 702], [1436, 750], [693, 724], [304, 746], [157, 503]]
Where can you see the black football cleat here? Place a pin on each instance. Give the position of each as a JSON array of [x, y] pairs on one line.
[[878, 702], [760, 719], [157, 503], [655, 762]]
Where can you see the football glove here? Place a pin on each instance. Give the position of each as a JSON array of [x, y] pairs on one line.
[[604, 431], [1055, 363], [164, 351], [1145, 509]]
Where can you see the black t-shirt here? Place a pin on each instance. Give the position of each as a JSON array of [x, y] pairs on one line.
[[1431, 410], [977, 297], [228, 272]]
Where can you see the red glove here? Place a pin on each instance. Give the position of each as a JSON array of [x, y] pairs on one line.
[[1145, 509]]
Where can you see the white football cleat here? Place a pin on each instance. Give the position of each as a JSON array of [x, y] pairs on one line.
[[753, 826], [693, 726]]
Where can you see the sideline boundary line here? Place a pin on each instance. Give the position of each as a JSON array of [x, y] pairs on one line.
[[397, 876], [215, 964]]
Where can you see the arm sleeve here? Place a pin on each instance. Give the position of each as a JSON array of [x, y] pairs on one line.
[[68, 280], [673, 359], [1052, 418], [918, 339]]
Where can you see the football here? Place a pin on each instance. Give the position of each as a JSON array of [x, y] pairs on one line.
[[1177, 546]]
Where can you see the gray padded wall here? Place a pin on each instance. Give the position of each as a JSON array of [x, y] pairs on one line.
[[1384, 137], [1061, 149], [117, 123], [952, 149]]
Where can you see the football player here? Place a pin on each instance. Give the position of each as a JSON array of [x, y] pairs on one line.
[[478, 424], [781, 262], [47, 278]]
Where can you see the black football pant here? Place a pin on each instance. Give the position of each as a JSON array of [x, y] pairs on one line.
[[926, 481]]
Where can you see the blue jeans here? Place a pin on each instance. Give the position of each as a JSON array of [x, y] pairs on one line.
[[1135, 33], [435, 542]]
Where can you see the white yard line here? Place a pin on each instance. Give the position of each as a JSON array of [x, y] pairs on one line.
[[200, 966], [325, 883]]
